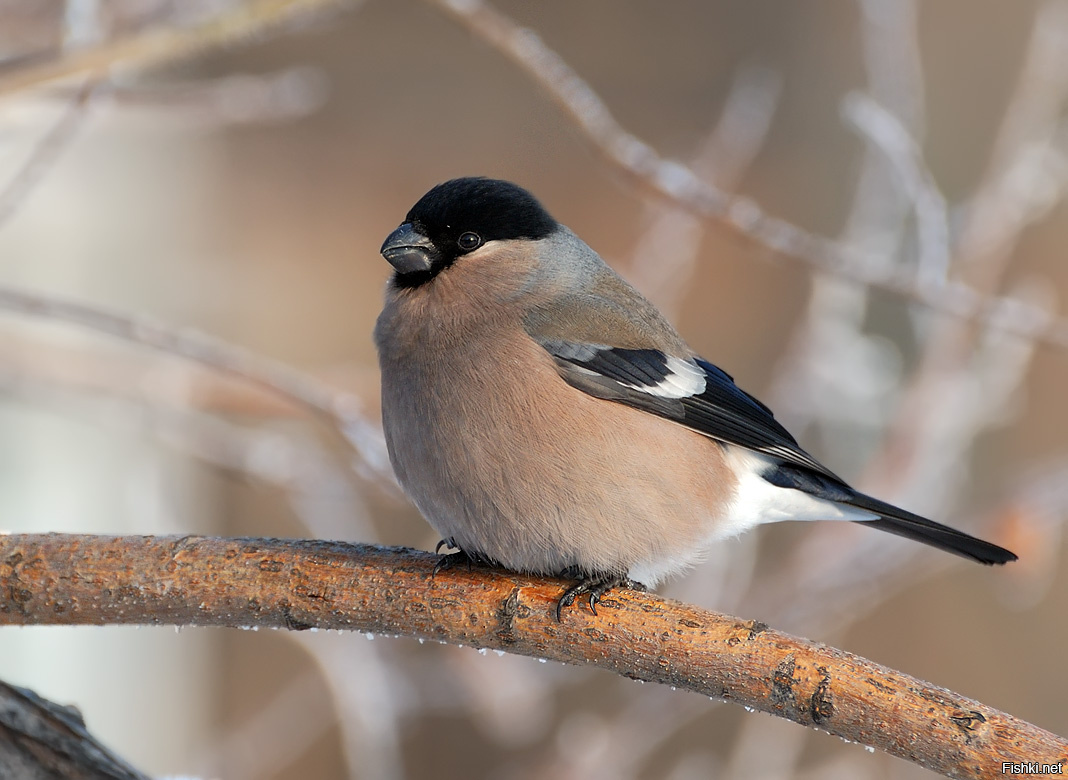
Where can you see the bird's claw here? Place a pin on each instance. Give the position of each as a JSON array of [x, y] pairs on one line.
[[596, 585]]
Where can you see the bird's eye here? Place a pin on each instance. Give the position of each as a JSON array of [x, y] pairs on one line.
[[469, 241]]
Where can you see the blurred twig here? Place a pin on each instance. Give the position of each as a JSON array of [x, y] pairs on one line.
[[1028, 169], [341, 410], [282, 379], [45, 152], [893, 138], [92, 369], [234, 99], [320, 491], [58, 579], [665, 256], [162, 45], [679, 183], [1004, 205], [927, 422]]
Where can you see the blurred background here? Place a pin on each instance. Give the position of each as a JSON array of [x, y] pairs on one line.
[[240, 186]]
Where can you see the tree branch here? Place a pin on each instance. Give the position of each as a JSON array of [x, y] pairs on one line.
[[60, 579], [41, 740]]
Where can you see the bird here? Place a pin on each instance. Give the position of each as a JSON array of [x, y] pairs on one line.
[[546, 418]]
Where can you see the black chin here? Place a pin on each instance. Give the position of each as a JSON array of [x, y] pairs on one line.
[[413, 279]]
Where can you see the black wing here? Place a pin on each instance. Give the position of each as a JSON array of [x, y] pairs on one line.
[[690, 391]]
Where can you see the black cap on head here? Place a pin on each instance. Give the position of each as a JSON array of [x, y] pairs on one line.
[[457, 217]]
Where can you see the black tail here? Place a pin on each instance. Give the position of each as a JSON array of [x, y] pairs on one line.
[[891, 519], [897, 521]]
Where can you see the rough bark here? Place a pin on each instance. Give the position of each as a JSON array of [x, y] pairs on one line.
[[300, 584]]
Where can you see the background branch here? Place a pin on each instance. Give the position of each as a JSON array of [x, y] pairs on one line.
[[188, 343], [342, 411], [58, 579], [680, 184], [40, 740], [637, 159], [45, 153], [166, 44]]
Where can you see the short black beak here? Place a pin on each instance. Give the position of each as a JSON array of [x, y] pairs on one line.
[[408, 250]]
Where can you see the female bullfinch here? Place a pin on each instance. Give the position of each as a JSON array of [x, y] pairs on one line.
[[546, 417]]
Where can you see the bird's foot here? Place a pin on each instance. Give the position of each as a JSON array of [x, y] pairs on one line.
[[459, 558], [596, 585]]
